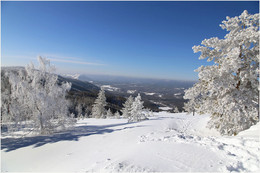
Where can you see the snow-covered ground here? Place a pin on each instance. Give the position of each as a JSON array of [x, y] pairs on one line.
[[73, 76], [167, 142], [149, 94], [166, 108], [110, 88], [131, 91]]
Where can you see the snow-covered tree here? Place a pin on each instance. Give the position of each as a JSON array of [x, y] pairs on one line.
[[137, 110], [98, 109], [127, 107], [189, 107], [109, 114], [176, 110], [37, 96], [229, 89], [148, 112], [79, 109], [117, 115]]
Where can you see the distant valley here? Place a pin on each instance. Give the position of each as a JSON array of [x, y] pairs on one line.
[[155, 92]]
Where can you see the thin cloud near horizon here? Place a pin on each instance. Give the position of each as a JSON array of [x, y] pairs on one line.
[[55, 58], [73, 61]]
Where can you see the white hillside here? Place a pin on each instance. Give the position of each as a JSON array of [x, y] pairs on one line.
[[72, 76], [165, 143]]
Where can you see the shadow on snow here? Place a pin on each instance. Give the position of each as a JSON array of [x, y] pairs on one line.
[[9, 144]]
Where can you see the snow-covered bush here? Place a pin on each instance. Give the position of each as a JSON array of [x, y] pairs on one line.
[[98, 109], [148, 112], [228, 90], [136, 113], [127, 107], [37, 97]]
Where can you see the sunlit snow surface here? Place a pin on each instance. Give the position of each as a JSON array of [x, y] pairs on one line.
[[165, 108], [167, 142]]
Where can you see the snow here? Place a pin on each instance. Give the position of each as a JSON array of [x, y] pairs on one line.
[[73, 76], [166, 143], [177, 94], [131, 91], [149, 94], [165, 108], [110, 88]]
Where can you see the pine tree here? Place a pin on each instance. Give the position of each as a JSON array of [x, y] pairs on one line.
[[117, 115], [109, 114], [127, 107], [228, 89], [137, 110], [79, 111], [98, 109]]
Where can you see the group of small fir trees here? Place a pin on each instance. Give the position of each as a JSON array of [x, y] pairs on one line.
[[133, 108]]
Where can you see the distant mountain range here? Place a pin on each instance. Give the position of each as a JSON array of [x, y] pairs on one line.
[[124, 79]]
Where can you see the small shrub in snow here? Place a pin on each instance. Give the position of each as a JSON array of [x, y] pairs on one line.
[[148, 112]]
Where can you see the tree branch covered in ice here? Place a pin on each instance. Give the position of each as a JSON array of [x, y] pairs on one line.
[[228, 89]]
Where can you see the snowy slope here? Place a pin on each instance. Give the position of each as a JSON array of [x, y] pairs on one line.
[[72, 76], [167, 142]]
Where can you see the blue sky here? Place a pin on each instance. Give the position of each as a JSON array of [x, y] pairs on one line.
[[140, 39]]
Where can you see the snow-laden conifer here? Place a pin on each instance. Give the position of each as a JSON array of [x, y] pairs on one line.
[[98, 109], [176, 110], [228, 90], [39, 98], [127, 107], [136, 113], [117, 115], [79, 111], [109, 114]]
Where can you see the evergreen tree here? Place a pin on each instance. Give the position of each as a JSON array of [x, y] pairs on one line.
[[79, 111], [127, 107], [117, 115], [137, 110], [98, 109], [228, 89], [109, 114]]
